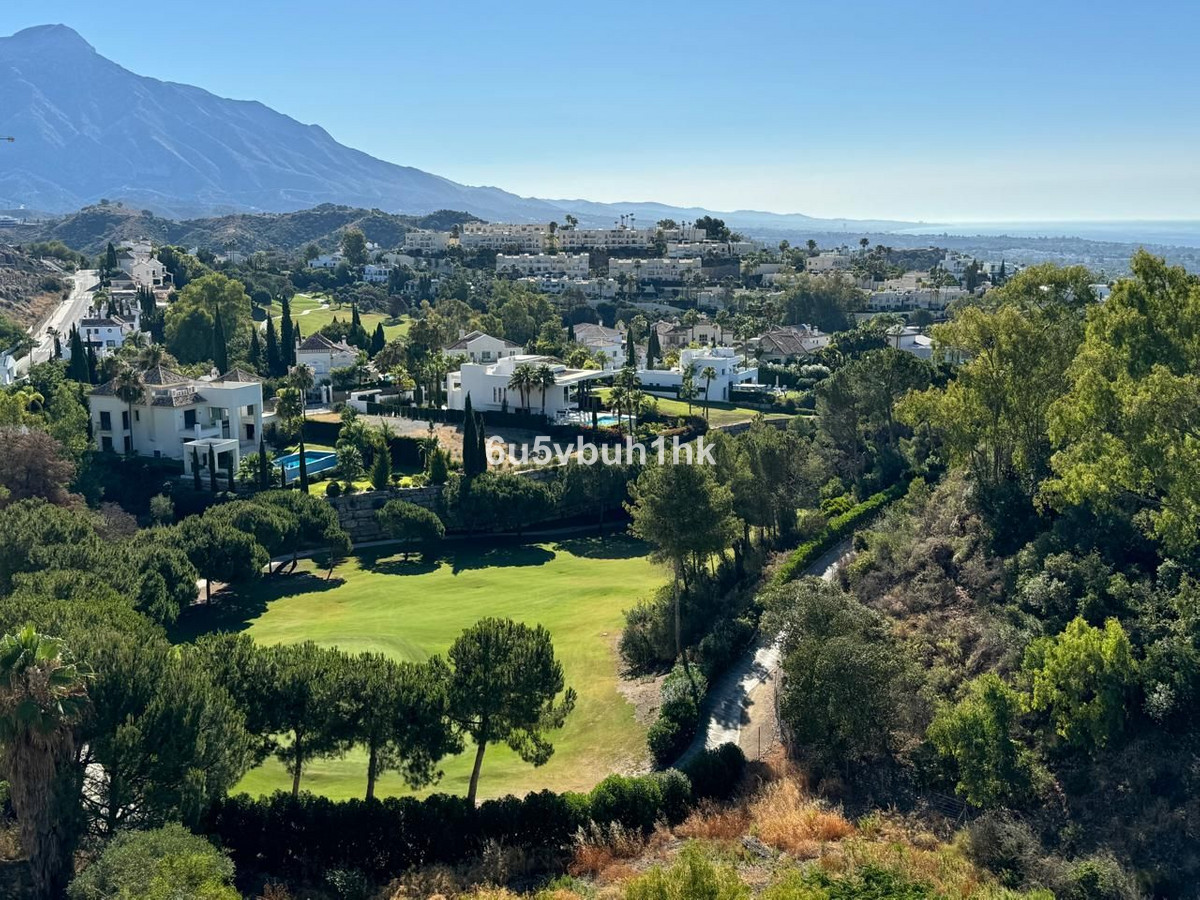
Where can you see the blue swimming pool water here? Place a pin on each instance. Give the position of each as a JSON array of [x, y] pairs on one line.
[[312, 459]]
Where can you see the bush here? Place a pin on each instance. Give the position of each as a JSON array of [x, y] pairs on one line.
[[724, 644], [682, 691], [157, 865], [692, 876], [333, 489], [648, 639], [629, 801], [716, 774]]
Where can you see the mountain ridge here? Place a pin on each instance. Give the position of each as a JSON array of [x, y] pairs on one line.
[[87, 128]]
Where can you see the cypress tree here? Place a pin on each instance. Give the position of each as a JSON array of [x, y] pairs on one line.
[[220, 347], [470, 440], [212, 469], [571, 333], [255, 351], [110, 259], [274, 365], [195, 469], [630, 349], [57, 348], [91, 365], [264, 465], [481, 449], [378, 339], [303, 467], [355, 319], [77, 368], [287, 339], [653, 350]]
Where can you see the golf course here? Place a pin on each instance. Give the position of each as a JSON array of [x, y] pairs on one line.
[[375, 601]]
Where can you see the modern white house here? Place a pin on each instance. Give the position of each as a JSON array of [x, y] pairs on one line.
[[730, 369], [176, 415], [568, 265], [488, 386], [910, 340], [376, 274], [102, 335], [673, 270], [828, 261], [322, 356], [477, 347], [326, 261]]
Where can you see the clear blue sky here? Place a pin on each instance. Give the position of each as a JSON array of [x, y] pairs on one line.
[[946, 111]]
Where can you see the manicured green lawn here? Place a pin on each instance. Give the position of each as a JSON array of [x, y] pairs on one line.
[[719, 414], [577, 588], [308, 314]]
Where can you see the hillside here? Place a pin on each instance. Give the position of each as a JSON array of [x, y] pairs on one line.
[[28, 287], [91, 228]]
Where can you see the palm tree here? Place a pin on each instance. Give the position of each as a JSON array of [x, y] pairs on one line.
[[153, 356], [302, 379], [543, 378], [687, 386], [708, 375], [42, 694], [130, 388], [522, 380]]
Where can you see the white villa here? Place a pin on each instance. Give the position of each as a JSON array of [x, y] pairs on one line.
[[176, 415], [828, 261], [789, 343], [376, 274], [672, 335], [730, 370], [477, 347], [607, 344], [488, 386], [910, 340], [103, 335], [326, 261], [322, 356], [142, 268]]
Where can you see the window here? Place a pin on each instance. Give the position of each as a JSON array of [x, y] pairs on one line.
[[250, 431], [128, 444], [106, 444], [137, 415], [189, 418], [125, 420], [106, 424]]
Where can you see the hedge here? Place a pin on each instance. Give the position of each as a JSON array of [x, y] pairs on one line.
[[683, 691], [838, 528], [306, 836]]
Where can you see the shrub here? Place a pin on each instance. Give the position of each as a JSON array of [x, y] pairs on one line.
[[715, 774], [682, 691], [648, 639], [161, 864], [629, 801], [725, 643], [333, 489], [675, 793], [692, 876]]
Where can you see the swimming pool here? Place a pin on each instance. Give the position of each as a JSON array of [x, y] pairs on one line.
[[314, 461]]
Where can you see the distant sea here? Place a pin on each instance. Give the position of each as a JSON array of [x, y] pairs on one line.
[[1175, 233]]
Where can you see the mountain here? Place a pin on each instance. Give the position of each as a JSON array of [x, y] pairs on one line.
[[88, 129]]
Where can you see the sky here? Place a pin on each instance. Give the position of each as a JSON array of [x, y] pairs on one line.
[[932, 111]]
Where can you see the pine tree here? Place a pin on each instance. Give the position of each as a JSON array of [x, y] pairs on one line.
[[220, 347], [212, 469], [77, 368], [274, 364], [287, 339], [470, 439]]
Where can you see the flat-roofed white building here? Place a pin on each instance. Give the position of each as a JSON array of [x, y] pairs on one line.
[[617, 238], [566, 265], [478, 347], [675, 270], [490, 386], [426, 241], [729, 369], [512, 238], [828, 261]]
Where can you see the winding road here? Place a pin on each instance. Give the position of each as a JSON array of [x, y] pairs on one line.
[[66, 315]]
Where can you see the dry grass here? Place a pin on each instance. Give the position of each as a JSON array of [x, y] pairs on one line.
[[599, 848], [710, 822], [789, 820]]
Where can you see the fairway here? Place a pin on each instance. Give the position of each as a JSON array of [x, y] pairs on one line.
[[308, 314], [577, 588]]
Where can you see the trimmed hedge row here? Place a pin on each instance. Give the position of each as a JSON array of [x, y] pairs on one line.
[[838, 528], [303, 837], [683, 691]]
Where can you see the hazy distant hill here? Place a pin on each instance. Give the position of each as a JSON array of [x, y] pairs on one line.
[[90, 229], [88, 129]]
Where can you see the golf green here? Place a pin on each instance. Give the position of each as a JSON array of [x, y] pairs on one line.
[[578, 589]]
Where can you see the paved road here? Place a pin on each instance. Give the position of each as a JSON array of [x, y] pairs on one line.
[[729, 703], [66, 315]]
